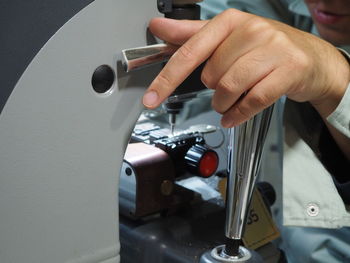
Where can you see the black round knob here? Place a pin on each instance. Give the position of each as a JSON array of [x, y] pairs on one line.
[[102, 79], [201, 160]]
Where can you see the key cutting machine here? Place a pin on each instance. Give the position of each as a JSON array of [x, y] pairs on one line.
[[68, 108]]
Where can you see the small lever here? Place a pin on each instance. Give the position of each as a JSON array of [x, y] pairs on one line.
[[140, 57]]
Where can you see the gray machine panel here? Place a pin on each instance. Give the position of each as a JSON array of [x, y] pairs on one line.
[[62, 144], [25, 26]]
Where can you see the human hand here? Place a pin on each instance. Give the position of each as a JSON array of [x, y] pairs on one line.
[[251, 63]]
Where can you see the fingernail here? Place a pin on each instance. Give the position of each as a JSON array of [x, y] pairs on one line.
[[150, 98]]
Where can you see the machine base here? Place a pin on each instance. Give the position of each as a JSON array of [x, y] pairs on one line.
[[185, 237]]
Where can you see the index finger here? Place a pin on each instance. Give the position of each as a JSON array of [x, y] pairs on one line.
[[190, 55]]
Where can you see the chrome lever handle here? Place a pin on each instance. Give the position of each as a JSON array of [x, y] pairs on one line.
[[140, 57], [245, 149]]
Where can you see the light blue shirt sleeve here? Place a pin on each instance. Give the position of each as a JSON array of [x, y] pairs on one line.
[[340, 118]]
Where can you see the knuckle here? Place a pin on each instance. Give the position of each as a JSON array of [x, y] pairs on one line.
[[163, 80], [256, 22], [257, 25], [244, 69], [229, 12], [226, 86], [186, 52], [282, 41], [243, 111], [260, 100], [280, 38], [302, 61], [297, 59]]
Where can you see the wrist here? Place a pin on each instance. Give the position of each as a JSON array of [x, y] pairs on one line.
[[330, 100], [328, 105]]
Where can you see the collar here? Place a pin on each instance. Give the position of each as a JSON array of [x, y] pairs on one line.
[[298, 7]]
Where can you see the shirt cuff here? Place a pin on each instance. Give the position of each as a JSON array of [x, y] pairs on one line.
[[340, 118]]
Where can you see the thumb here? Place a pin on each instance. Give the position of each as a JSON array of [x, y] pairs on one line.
[[175, 31]]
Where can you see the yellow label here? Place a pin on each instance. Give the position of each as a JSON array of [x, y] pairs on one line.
[[260, 228]]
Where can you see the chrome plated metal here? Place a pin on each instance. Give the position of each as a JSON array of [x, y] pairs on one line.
[[245, 149], [140, 57], [217, 255], [172, 121]]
